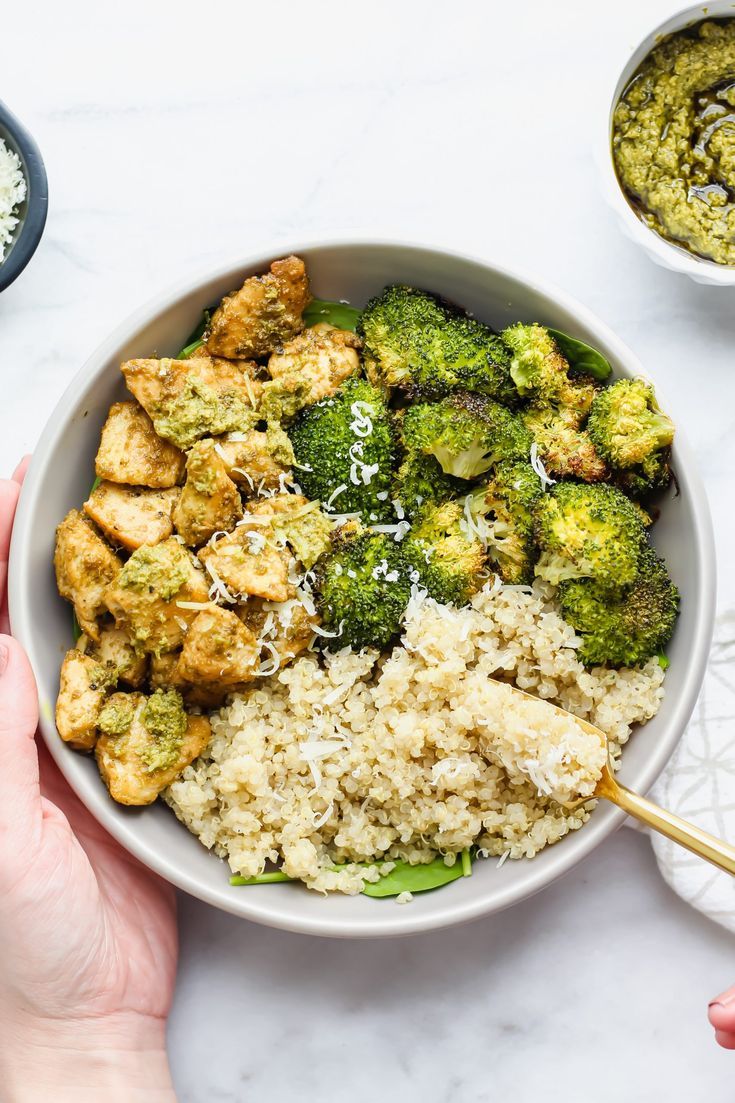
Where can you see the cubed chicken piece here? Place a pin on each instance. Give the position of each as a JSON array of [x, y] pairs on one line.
[[115, 651], [85, 566], [210, 501], [132, 515], [132, 452], [82, 690], [321, 357], [297, 522], [264, 313], [219, 650], [247, 562], [191, 399], [288, 627], [165, 675], [257, 461], [145, 743], [151, 597]]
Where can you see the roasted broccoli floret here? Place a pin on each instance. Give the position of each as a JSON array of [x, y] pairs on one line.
[[447, 559], [633, 434], [501, 514], [467, 433], [628, 629], [421, 344], [363, 588], [588, 532], [539, 370], [345, 454], [564, 448], [420, 481]]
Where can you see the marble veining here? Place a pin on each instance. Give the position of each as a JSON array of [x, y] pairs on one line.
[[173, 136]]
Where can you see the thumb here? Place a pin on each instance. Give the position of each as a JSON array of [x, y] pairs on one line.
[[20, 799]]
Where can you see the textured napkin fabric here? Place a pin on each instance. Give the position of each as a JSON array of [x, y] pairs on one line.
[[699, 785]]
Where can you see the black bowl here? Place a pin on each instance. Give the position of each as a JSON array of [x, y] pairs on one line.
[[32, 211]]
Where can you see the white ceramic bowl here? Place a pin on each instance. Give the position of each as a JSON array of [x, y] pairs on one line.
[[660, 250], [59, 479]]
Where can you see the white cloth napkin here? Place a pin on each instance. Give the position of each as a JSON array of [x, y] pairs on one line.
[[699, 784]]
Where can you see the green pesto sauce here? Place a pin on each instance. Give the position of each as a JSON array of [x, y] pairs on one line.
[[161, 570], [280, 404], [279, 445], [674, 140], [117, 715], [308, 534], [199, 411], [163, 716]]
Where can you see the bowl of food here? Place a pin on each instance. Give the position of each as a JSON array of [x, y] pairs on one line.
[[308, 542], [23, 197], [670, 144]]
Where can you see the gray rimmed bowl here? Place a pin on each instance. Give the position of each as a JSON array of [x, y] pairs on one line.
[[59, 478], [34, 208]]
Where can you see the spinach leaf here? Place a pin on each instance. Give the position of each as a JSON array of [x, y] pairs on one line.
[[268, 878], [408, 878], [341, 315], [196, 338], [581, 356]]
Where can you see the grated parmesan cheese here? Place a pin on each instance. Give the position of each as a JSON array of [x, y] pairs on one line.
[[12, 193]]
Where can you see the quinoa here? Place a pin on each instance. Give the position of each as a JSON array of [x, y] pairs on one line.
[[353, 757]]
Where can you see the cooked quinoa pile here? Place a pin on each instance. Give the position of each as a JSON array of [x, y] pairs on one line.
[[349, 757]]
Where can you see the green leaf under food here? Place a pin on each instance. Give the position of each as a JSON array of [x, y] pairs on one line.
[[402, 878], [195, 339], [582, 357], [341, 315], [268, 878], [663, 660], [408, 878]]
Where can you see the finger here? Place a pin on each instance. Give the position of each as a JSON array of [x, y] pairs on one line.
[[9, 493], [721, 1012], [20, 798], [727, 1041], [20, 472]]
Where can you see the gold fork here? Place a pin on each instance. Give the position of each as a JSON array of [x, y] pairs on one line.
[[699, 842]]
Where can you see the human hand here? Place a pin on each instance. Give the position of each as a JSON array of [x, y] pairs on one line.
[[722, 1016], [88, 935]]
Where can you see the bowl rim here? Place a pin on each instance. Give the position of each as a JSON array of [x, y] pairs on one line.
[[663, 252], [395, 921], [26, 240]]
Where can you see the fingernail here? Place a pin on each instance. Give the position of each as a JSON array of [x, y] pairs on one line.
[[725, 1000], [3, 658]]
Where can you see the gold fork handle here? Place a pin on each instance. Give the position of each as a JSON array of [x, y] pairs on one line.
[[700, 842]]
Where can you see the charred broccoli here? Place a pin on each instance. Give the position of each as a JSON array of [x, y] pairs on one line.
[[416, 342], [447, 560], [501, 514], [564, 448], [627, 630], [420, 481], [363, 587], [588, 532], [344, 449], [632, 433], [467, 433], [540, 372]]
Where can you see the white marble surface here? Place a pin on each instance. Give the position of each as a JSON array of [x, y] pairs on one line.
[[174, 133]]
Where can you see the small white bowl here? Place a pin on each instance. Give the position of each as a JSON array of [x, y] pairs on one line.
[[660, 250], [59, 477]]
